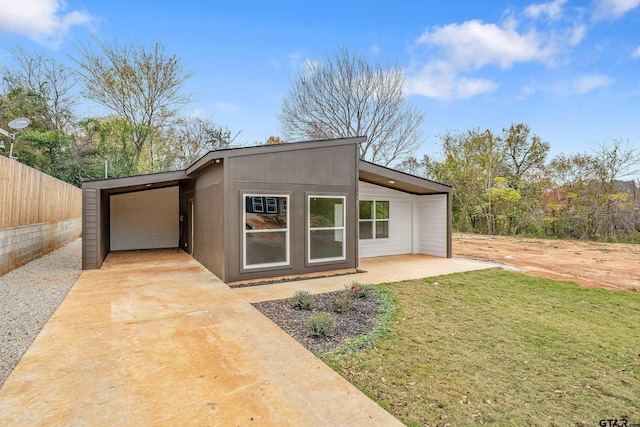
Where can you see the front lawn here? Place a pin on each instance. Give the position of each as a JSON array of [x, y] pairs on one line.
[[501, 348]]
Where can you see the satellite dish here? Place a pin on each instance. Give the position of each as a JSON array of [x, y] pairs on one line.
[[19, 123]]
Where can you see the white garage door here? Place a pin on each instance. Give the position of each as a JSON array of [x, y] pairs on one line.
[[145, 219]]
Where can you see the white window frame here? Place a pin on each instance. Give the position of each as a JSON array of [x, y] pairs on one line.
[[287, 262], [372, 221], [256, 207], [272, 205], [343, 228]]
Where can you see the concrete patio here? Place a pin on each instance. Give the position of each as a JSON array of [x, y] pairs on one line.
[[373, 271]]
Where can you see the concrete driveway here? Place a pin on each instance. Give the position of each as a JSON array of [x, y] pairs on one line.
[[153, 338]]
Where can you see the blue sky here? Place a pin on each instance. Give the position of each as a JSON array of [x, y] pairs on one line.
[[569, 69]]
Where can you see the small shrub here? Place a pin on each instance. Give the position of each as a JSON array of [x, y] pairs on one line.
[[303, 300], [321, 325], [343, 301], [357, 289]]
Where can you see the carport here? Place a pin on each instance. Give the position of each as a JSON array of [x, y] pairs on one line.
[[138, 212], [417, 216]]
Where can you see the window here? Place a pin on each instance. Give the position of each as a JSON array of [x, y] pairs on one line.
[[272, 205], [326, 228], [374, 219], [256, 204], [266, 234]]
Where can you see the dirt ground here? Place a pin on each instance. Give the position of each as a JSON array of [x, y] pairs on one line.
[[602, 265]]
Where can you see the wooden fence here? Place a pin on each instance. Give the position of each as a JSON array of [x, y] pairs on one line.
[[28, 196]]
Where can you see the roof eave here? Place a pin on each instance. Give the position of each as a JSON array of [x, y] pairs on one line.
[[401, 181]]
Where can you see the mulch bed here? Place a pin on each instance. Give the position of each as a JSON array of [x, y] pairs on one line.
[[359, 319]]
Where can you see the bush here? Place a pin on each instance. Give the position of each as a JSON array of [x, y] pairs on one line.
[[357, 289], [343, 301], [321, 325], [303, 300]]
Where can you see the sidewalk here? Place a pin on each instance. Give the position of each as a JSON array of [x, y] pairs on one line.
[[375, 270]]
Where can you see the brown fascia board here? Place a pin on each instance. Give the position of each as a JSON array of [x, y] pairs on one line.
[[210, 158], [137, 182], [380, 175]]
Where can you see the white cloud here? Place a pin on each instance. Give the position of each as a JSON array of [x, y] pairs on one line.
[[467, 47], [543, 33], [636, 53], [438, 80], [375, 49], [577, 34], [553, 10], [468, 88], [40, 20], [612, 9], [474, 44], [585, 84]]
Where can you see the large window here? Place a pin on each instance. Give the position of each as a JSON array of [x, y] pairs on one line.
[[374, 219], [326, 228], [266, 230]]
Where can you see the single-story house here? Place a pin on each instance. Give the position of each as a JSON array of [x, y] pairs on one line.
[[270, 210]]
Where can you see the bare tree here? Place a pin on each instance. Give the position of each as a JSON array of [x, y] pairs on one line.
[[347, 96], [612, 162], [44, 77], [193, 137], [142, 85]]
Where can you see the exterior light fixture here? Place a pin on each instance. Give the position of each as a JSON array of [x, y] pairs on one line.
[[16, 124], [392, 182]]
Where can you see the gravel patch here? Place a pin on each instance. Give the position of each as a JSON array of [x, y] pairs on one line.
[[28, 297], [359, 319]]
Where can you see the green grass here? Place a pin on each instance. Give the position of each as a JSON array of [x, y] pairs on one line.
[[501, 348]]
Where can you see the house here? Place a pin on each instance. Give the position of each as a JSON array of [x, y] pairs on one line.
[[272, 210]]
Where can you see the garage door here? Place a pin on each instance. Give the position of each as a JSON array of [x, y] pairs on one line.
[[145, 219]]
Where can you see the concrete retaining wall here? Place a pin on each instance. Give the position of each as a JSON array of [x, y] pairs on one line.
[[19, 245]]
